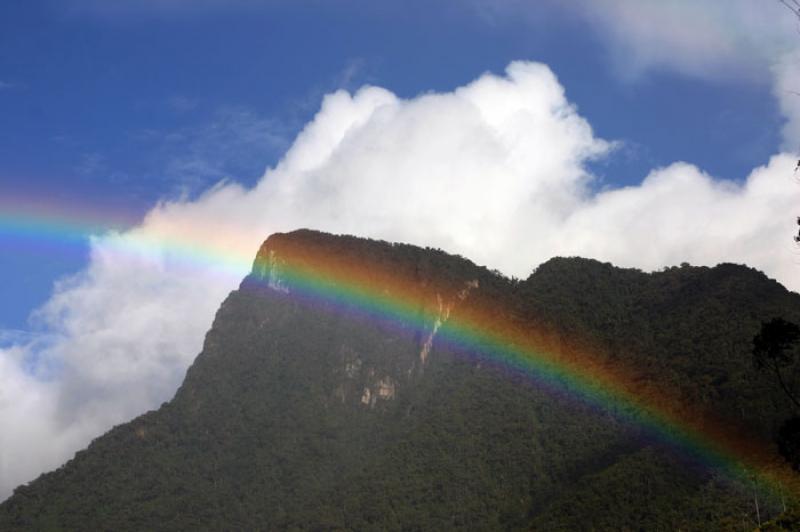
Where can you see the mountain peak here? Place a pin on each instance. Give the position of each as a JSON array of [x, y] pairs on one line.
[[356, 384]]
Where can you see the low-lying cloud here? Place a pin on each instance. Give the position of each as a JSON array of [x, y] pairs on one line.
[[495, 170]]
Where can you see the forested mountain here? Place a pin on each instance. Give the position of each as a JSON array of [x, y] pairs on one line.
[[340, 388]]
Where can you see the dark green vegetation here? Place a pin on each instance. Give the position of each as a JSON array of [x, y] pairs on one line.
[[272, 428], [775, 350]]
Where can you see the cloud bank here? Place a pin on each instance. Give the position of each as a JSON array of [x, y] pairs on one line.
[[494, 170]]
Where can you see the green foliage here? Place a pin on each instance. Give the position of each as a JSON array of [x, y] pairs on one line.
[[269, 430], [775, 350]]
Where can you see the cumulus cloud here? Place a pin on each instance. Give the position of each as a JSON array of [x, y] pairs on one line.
[[494, 170], [680, 213]]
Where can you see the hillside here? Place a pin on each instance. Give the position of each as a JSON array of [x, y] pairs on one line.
[[334, 391]]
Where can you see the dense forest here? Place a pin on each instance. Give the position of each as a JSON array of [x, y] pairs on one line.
[[306, 413]]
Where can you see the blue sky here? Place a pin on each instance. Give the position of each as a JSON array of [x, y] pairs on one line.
[[639, 132], [120, 107]]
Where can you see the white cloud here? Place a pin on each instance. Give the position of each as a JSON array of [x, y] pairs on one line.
[[745, 40], [742, 41], [701, 38], [680, 214], [786, 88], [493, 170]]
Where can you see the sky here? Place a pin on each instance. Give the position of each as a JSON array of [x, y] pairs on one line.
[[148, 147]]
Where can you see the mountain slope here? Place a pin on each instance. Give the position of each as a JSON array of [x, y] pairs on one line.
[[312, 410]]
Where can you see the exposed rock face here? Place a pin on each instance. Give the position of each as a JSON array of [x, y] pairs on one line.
[[431, 288], [273, 273], [310, 408]]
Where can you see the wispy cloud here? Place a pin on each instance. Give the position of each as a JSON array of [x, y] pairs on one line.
[[235, 143], [91, 164], [351, 75], [741, 41], [182, 104], [127, 8], [15, 336], [230, 143], [708, 39]]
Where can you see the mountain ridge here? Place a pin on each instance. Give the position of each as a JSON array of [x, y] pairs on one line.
[[316, 409]]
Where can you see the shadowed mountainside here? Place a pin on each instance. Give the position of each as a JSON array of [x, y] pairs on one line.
[[310, 407]]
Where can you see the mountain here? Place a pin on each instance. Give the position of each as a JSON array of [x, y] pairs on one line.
[[357, 384]]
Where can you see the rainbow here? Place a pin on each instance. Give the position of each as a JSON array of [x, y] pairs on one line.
[[51, 225], [313, 276], [372, 292]]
